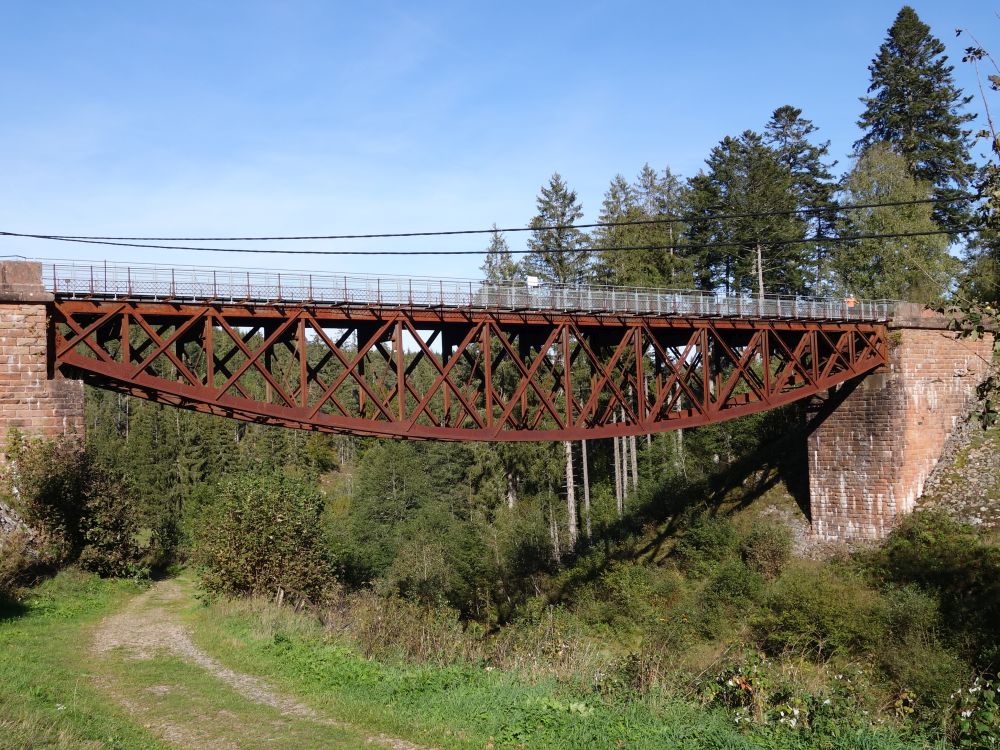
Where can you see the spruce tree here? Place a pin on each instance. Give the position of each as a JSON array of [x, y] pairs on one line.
[[559, 251], [499, 264], [915, 106], [788, 133], [745, 178]]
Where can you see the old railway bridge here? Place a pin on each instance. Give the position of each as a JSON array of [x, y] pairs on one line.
[[460, 360]]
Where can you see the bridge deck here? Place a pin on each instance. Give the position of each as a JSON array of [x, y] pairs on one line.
[[142, 282]]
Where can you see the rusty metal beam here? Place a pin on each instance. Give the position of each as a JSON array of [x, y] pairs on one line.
[[500, 375]]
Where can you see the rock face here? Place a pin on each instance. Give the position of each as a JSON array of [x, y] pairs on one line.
[[966, 483]]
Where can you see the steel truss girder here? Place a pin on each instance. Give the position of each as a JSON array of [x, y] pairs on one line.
[[454, 374]]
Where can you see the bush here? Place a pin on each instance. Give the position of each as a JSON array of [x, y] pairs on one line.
[[767, 549], [705, 543], [814, 609], [15, 559], [262, 536], [110, 526], [45, 480]]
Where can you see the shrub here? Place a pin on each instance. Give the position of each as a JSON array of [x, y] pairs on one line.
[[817, 610], [110, 526], [767, 548], [45, 480], [734, 584], [15, 559], [262, 536], [705, 543]]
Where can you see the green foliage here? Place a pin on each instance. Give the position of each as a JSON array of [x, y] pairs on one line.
[[263, 536], [767, 548], [110, 527], [46, 481], [558, 252], [705, 543], [15, 561], [916, 268], [958, 568], [820, 612], [915, 107], [975, 719]]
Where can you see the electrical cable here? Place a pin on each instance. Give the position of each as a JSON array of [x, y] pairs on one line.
[[554, 227], [625, 248]]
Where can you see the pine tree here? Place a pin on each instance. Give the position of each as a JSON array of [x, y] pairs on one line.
[[559, 251], [499, 264], [788, 133], [745, 178], [916, 107]]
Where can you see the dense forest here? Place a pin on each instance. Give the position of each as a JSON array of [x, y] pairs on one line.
[[649, 552]]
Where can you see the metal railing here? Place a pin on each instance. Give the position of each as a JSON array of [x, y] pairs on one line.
[[198, 284]]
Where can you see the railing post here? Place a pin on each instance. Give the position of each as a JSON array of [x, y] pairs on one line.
[[310, 287], [128, 277], [173, 285], [215, 286], [279, 287], [248, 285], [91, 279]]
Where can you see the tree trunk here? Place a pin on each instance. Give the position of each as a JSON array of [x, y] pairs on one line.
[[570, 494], [554, 531], [635, 463], [511, 489], [619, 500], [586, 487]]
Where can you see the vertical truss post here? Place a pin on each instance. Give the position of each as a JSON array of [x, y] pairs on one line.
[[400, 369], [567, 375], [303, 364], [209, 351], [640, 380], [485, 345], [126, 343]]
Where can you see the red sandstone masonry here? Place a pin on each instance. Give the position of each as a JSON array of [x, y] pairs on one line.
[[869, 460], [29, 400]]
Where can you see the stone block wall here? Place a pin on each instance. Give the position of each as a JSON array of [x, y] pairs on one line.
[[870, 457], [32, 398]]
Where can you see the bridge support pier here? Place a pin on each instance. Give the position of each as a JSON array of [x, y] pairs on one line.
[[33, 398], [871, 455]]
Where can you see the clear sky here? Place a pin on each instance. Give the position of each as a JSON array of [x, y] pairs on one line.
[[301, 117]]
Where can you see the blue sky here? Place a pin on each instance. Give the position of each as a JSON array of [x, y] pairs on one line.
[[296, 117]]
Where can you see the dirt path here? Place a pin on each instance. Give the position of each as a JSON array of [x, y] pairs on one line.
[[146, 660]]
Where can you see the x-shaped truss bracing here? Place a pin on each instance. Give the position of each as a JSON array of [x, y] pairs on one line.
[[454, 374]]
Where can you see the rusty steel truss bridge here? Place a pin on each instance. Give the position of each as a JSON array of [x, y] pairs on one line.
[[449, 359]]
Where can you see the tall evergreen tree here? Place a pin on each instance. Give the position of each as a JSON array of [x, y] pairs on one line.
[[746, 178], [499, 264], [915, 106], [559, 251], [788, 133]]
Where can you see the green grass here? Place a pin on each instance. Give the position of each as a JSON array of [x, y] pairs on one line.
[[471, 707], [48, 697], [55, 693]]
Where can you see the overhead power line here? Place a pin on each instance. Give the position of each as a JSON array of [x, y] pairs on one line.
[[836, 208], [686, 246]]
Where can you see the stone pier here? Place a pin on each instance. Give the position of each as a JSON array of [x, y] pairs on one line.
[[871, 455], [33, 398]]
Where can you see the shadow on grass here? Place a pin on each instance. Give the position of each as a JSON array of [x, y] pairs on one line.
[[11, 608]]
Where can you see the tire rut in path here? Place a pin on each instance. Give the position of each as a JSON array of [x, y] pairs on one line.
[[147, 627]]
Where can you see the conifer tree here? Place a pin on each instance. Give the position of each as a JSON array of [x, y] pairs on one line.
[[499, 264], [788, 133], [559, 251], [915, 106], [746, 179]]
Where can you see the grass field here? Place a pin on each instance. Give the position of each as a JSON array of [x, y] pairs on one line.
[[89, 663]]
